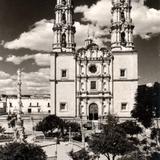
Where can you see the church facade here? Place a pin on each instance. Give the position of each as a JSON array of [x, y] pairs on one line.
[[93, 81]]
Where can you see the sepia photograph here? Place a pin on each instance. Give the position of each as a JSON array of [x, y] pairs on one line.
[[79, 79]]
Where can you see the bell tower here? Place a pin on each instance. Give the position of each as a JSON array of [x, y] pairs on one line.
[[125, 64], [62, 70], [122, 26], [63, 28]]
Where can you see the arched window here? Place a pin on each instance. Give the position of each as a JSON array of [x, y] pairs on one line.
[[64, 40], [122, 16], [123, 40], [64, 2], [63, 18]]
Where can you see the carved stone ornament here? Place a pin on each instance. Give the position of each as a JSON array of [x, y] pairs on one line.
[[63, 18], [64, 2], [122, 1], [64, 40]]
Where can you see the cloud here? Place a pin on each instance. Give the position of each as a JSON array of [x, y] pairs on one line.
[[146, 20], [17, 59], [81, 9], [1, 58], [4, 75], [99, 13], [36, 82], [2, 42], [7, 83], [40, 59], [32, 83], [38, 38]]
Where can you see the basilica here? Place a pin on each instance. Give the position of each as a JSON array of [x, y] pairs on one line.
[[93, 81]]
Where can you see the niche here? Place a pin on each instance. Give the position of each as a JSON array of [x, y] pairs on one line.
[[122, 17], [64, 2], [123, 40], [64, 40], [63, 18]]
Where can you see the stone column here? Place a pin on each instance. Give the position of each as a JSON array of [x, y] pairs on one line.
[[19, 135], [86, 82], [87, 113]]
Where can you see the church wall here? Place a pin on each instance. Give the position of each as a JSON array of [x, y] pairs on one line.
[[65, 62], [66, 93], [124, 87], [65, 87], [124, 92], [128, 61]]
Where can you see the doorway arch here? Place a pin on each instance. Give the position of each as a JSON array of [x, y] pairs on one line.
[[93, 111]]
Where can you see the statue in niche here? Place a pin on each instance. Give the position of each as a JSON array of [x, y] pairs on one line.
[[63, 18], [122, 1], [123, 40], [63, 2], [122, 17], [63, 40]]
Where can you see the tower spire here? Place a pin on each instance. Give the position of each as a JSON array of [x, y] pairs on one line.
[[63, 28], [89, 40], [122, 26], [88, 33]]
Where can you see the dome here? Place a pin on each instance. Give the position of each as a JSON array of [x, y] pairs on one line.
[[92, 46]]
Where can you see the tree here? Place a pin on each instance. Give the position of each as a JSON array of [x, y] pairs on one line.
[[131, 127], [155, 156], [155, 134], [54, 126], [112, 141], [147, 106], [49, 124], [22, 151], [75, 127], [82, 154], [137, 155]]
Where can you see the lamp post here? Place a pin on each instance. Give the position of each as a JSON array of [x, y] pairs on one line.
[[83, 134], [32, 121], [56, 149], [69, 134], [56, 152]]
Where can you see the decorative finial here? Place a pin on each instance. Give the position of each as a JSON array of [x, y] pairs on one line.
[[93, 34], [89, 40], [88, 31]]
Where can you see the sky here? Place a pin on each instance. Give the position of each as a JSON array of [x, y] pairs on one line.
[[26, 38]]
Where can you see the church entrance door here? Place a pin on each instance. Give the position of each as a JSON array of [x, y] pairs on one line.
[[93, 111]]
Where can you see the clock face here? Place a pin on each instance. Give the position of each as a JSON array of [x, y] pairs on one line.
[[93, 68]]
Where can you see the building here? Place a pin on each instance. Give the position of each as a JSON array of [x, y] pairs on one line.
[[3, 105], [31, 104], [93, 81]]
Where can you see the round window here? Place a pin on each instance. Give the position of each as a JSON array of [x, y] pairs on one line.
[[93, 68]]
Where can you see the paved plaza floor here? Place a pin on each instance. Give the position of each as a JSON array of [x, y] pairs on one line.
[[62, 151]]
